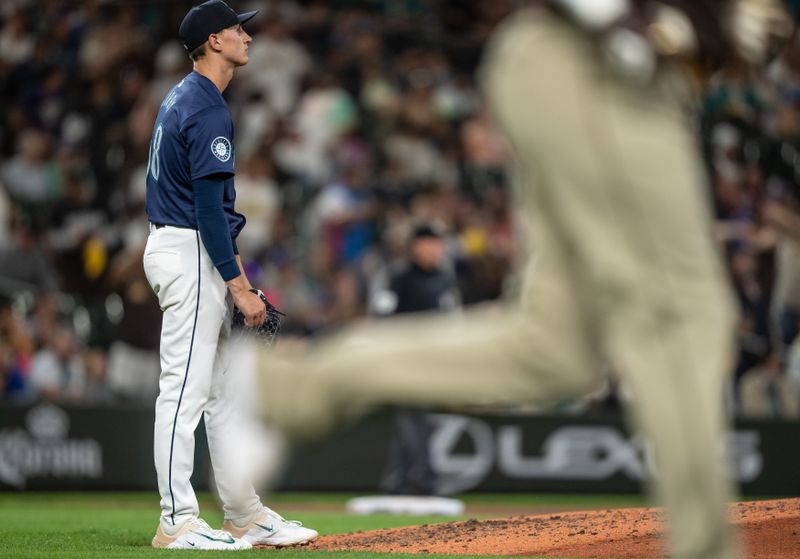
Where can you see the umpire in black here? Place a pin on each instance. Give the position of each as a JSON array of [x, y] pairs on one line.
[[424, 284]]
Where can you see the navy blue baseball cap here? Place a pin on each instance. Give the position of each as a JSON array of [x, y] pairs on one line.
[[426, 231], [207, 18]]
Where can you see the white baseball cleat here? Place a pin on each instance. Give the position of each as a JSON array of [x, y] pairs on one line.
[[268, 528], [196, 534]]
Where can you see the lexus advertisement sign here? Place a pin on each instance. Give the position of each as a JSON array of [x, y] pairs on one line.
[[540, 454]]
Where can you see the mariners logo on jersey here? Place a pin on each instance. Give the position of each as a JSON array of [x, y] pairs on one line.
[[221, 148]]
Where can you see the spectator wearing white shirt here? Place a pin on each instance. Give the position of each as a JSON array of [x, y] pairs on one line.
[[277, 66], [57, 371], [16, 44]]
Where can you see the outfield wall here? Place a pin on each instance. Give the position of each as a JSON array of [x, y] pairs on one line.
[[47, 447]]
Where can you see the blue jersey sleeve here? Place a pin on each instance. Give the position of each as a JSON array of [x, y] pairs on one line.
[[212, 224], [209, 138]]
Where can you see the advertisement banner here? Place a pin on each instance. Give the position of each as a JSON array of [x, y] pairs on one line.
[[540, 454], [51, 447]]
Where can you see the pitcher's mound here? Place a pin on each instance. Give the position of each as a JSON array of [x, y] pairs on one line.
[[770, 529]]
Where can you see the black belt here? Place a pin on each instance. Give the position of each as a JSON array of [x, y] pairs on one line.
[[162, 225]]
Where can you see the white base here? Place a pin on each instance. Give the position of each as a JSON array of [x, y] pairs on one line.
[[406, 505]]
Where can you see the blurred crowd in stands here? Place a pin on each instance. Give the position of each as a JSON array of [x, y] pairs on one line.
[[356, 121]]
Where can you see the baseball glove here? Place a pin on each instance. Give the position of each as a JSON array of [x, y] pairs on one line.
[[266, 333]]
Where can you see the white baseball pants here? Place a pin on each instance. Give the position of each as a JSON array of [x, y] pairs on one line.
[[195, 377]]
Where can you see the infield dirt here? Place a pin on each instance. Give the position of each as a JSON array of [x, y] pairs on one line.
[[769, 529]]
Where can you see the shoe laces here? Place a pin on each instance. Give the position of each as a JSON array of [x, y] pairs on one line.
[[274, 514], [216, 533]]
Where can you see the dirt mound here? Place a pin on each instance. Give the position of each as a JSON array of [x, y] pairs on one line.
[[771, 530]]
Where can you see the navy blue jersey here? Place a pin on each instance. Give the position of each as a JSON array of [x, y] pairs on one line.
[[192, 138]]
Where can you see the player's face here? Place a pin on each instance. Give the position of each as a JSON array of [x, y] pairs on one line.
[[234, 43]]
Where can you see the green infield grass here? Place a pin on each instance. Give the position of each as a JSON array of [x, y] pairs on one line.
[[120, 525]]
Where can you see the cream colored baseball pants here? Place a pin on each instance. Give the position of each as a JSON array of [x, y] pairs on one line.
[[624, 272]]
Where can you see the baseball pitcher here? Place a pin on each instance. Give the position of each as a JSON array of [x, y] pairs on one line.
[[192, 264]]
